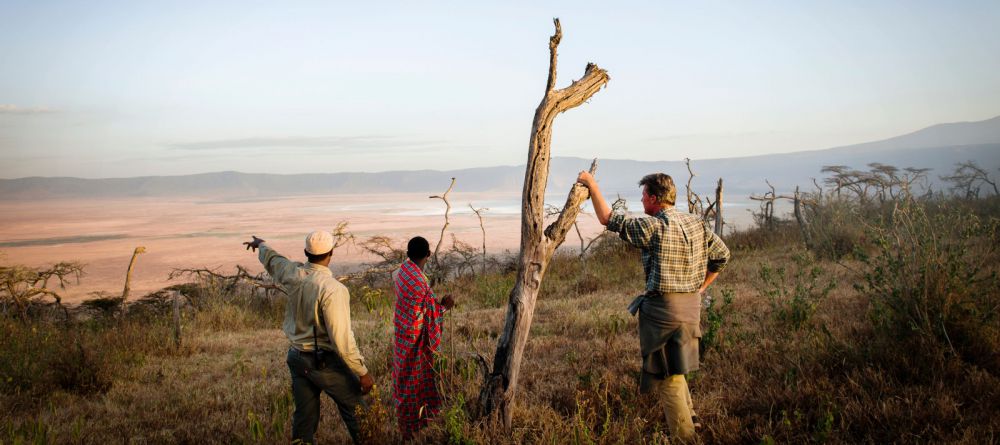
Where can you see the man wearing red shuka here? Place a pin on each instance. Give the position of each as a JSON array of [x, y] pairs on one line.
[[418, 335]]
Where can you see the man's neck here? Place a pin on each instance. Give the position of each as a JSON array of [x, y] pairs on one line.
[[657, 210], [324, 263], [421, 263]]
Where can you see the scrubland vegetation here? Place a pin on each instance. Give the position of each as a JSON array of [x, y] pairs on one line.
[[872, 320]]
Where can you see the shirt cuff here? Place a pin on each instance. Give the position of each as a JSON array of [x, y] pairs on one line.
[[716, 266], [363, 370]]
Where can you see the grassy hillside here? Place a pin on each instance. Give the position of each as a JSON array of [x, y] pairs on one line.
[[892, 339]]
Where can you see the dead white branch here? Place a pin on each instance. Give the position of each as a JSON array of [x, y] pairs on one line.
[[447, 210], [479, 214]]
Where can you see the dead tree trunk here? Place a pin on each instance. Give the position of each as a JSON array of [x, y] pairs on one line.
[[800, 219], [694, 201], [537, 244], [177, 319], [770, 206], [718, 209], [128, 275]]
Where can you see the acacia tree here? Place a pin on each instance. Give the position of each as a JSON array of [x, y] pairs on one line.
[[537, 244], [20, 286], [968, 178]]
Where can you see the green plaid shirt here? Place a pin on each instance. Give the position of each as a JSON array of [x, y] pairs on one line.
[[677, 248]]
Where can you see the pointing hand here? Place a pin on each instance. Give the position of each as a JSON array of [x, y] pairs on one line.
[[253, 245]]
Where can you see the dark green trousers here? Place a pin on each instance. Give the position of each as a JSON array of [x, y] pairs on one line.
[[308, 382]]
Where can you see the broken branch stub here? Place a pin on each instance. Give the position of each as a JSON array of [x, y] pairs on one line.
[[128, 274]]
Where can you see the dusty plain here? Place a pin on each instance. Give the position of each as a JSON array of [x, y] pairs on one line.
[[202, 232]]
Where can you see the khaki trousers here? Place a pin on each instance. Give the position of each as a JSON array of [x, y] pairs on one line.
[[677, 405], [676, 401]]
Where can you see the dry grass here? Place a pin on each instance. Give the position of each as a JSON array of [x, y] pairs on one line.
[[832, 377]]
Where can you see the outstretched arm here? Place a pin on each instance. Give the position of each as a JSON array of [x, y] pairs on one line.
[[277, 266], [601, 207]]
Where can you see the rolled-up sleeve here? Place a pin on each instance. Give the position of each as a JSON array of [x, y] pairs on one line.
[[635, 231], [337, 314], [718, 253]]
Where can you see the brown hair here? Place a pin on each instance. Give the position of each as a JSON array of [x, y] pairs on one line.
[[660, 186]]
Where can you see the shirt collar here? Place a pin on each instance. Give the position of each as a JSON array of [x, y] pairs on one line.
[[667, 212], [316, 267]]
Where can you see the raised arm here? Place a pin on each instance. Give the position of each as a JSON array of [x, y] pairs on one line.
[[276, 265], [601, 207]]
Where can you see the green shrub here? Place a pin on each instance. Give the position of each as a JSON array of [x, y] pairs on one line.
[[794, 295], [835, 227], [716, 312], [492, 290], [38, 358], [455, 422], [780, 233], [376, 300], [932, 279]]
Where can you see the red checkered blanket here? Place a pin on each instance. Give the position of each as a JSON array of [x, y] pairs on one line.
[[418, 334]]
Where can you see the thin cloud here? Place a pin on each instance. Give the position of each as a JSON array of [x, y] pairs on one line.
[[14, 109], [296, 142]]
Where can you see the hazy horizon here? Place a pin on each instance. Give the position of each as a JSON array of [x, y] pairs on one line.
[[698, 160]]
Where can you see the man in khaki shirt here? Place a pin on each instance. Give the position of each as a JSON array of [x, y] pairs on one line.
[[323, 355]]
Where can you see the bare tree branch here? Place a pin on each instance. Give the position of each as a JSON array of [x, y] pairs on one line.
[[341, 235], [262, 280], [479, 214], [693, 199], [444, 197]]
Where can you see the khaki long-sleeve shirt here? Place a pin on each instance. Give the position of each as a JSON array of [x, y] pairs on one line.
[[314, 294]]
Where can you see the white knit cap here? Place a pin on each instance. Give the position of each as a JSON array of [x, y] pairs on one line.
[[319, 242]]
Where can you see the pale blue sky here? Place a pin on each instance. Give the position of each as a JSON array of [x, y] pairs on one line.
[[101, 89]]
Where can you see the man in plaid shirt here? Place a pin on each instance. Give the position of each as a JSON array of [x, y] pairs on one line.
[[418, 334], [680, 258]]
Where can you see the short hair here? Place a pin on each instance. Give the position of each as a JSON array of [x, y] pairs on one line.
[[317, 258], [418, 248], [660, 186]]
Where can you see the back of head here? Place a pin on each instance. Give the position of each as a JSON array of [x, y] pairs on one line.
[[418, 248], [319, 246], [660, 186]]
